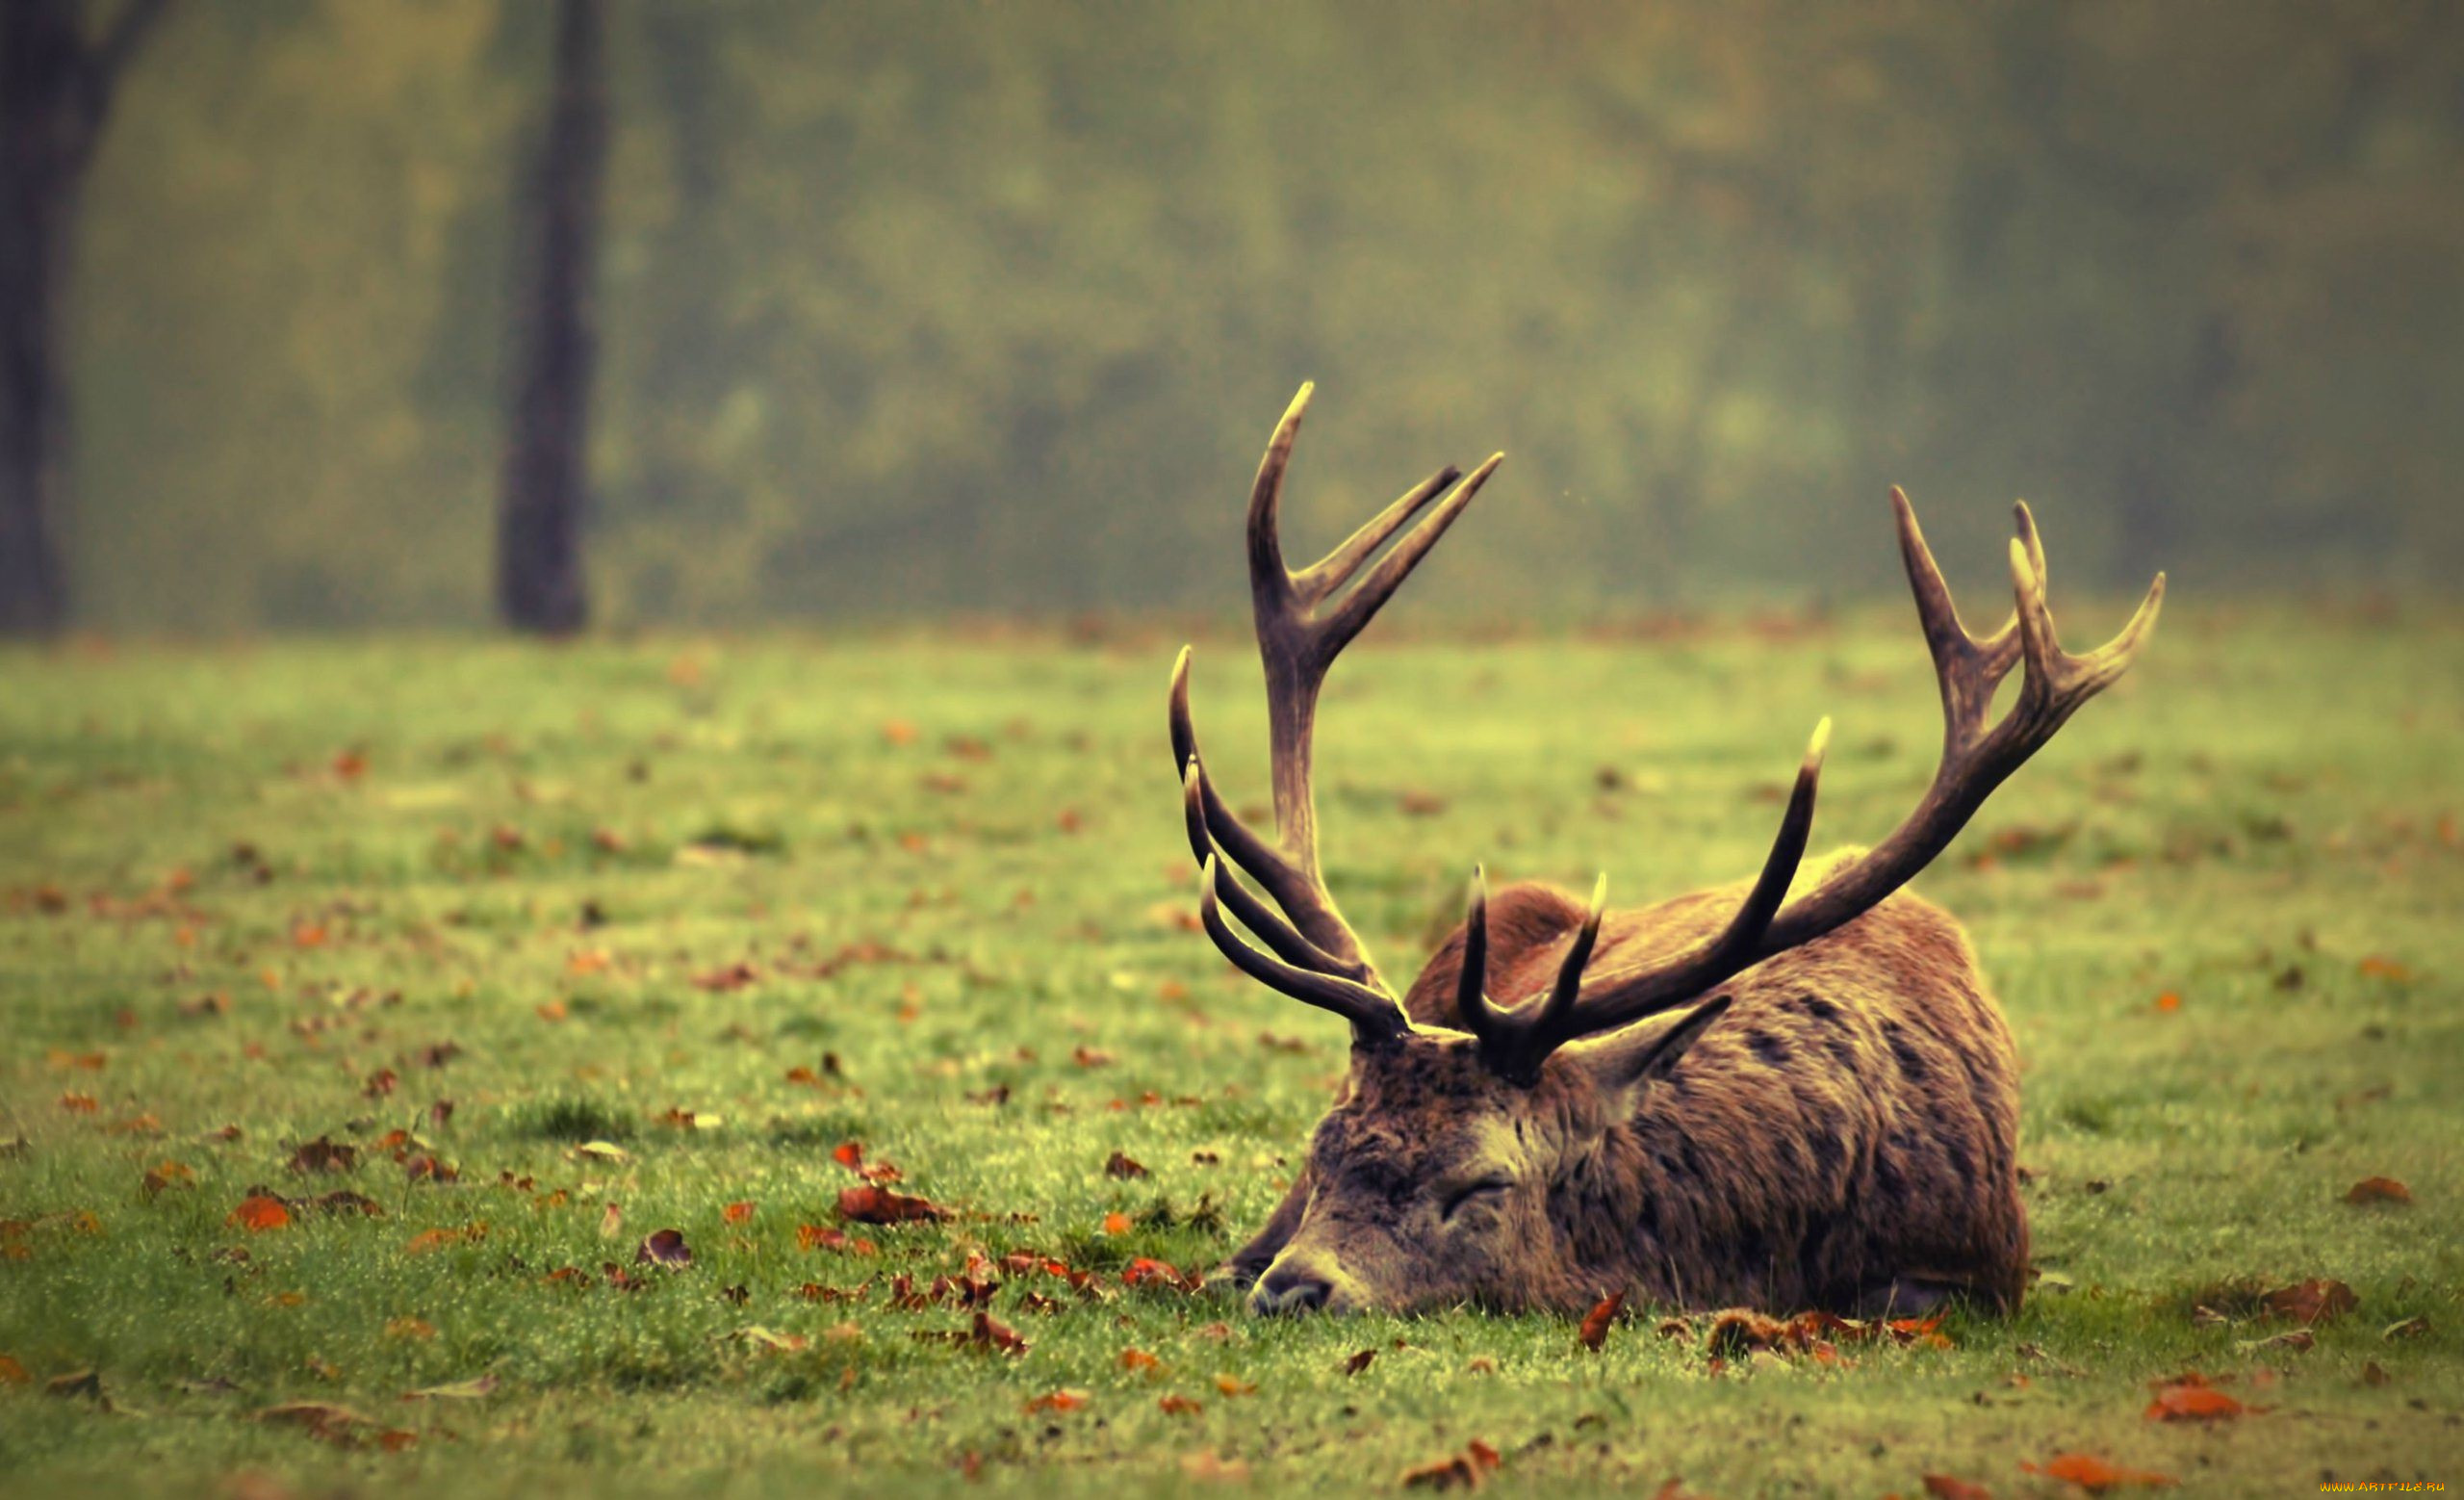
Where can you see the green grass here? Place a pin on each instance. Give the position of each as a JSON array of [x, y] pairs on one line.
[[950, 864]]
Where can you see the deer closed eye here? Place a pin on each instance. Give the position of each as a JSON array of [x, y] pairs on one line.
[[1488, 1190]]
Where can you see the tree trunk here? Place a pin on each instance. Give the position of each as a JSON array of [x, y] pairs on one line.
[[55, 94], [545, 481]]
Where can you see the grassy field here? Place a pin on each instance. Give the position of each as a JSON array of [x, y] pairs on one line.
[[931, 895]]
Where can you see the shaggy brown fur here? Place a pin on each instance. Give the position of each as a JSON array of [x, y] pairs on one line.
[[1844, 1137]]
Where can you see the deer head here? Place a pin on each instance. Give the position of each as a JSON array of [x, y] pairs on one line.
[[1457, 1162]]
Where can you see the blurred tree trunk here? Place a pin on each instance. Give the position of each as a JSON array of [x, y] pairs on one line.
[[546, 481], [55, 94]]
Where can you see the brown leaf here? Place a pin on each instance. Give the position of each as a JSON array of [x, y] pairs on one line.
[[1359, 1361], [2312, 1302], [1596, 1323], [1177, 1404], [1942, 1486], [323, 1420], [2379, 1190], [1454, 1471], [1123, 1167], [1058, 1401], [1139, 1359], [872, 1204], [664, 1247]]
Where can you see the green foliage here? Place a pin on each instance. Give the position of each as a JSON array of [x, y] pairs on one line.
[[922, 308], [931, 921]]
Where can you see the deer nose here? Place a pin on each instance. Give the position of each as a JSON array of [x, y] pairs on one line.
[[1291, 1287]]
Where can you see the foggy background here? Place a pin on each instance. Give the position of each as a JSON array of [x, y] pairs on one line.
[[908, 309]]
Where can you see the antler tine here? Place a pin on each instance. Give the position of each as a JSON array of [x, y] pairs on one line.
[[1472, 1005], [1622, 996], [1354, 610], [1516, 1042], [1240, 843], [1276, 931], [1967, 668], [1373, 1014], [1331, 572]]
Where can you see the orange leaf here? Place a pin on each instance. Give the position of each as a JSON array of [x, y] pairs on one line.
[[1058, 1401], [1596, 1323], [1115, 1223], [79, 1104], [2168, 1001], [1139, 1359], [11, 1373], [2379, 1190], [260, 1213], [1942, 1486], [849, 1154], [2093, 1474], [1231, 1386], [1177, 1404], [736, 1213], [1483, 1455], [2378, 968], [2191, 1399]]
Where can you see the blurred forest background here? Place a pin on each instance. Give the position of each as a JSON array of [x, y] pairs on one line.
[[908, 309]]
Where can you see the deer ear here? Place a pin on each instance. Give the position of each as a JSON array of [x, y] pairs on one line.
[[1634, 1056]]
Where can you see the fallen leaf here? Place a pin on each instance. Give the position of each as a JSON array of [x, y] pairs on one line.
[[2380, 968], [736, 1213], [1943, 1487], [1359, 1361], [2189, 1398], [260, 1212], [873, 1204], [2374, 1374], [1177, 1404], [11, 1373], [1233, 1385], [1139, 1359], [1058, 1401], [1454, 1471], [1115, 1223], [664, 1247], [817, 1236], [1596, 1323], [2168, 1001], [1123, 1167], [2312, 1302], [323, 1420], [2093, 1474], [2379, 1190], [990, 1333]]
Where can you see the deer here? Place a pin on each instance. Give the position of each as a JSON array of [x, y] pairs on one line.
[[1728, 1099]]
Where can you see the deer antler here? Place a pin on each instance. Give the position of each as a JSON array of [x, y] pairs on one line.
[[1314, 954], [1978, 755]]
